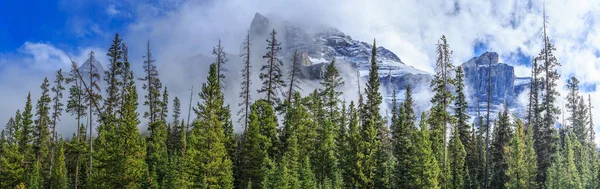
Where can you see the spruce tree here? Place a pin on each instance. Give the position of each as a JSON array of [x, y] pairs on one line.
[[245, 97], [372, 123], [132, 165], [76, 107], [221, 59], [352, 165], [111, 103], [42, 135], [426, 169], [498, 159], [26, 134], [254, 150], [164, 109], [58, 177], [458, 171], [152, 85], [545, 140], [11, 158], [530, 161], [294, 76], [516, 160], [209, 163], [460, 111], [403, 147], [57, 108], [441, 84], [271, 75], [92, 98]]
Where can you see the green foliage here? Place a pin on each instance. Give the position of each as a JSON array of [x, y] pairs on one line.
[[457, 155], [271, 73], [209, 163], [426, 169], [498, 159], [254, 150], [58, 178]]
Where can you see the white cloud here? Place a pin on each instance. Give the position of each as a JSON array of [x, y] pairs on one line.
[[112, 10]]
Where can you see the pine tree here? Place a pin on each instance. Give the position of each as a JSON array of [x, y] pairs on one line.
[[111, 103], [42, 135], [92, 99], [545, 141], [58, 178], [331, 84], [152, 85], [254, 150], [352, 165], [306, 176], [426, 169], [132, 165], [530, 161], [371, 124], [164, 109], [221, 59], [11, 157], [293, 76], [173, 144], [77, 107], [25, 135], [210, 166], [498, 159], [516, 160], [325, 162], [271, 72], [570, 173], [460, 104], [57, 107], [246, 82], [572, 103], [403, 147], [458, 171]]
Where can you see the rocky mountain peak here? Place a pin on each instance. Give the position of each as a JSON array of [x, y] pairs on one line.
[[260, 25], [485, 59]]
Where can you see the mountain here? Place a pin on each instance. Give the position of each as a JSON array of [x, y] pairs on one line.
[[321, 45], [505, 86]]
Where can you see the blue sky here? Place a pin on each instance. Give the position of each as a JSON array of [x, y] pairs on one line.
[[37, 37]]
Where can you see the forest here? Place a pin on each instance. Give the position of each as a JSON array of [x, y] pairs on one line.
[[293, 141]]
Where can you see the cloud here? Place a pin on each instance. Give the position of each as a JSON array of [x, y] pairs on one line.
[[111, 10]]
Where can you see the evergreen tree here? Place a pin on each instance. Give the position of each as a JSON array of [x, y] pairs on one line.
[[246, 82], [441, 84], [42, 136], [458, 171], [11, 157], [271, 72], [294, 75], [92, 99], [306, 176], [58, 178], [545, 141], [426, 169], [530, 161], [254, 150], [371, 124], [460, 104], [77, 107], [516, 160], [25, 135], [131, 165], [403, 147], [331, 84], [221, 59], [164, 110], [209, 163], [498, 159], [57, 107], [352, 165], [325, 160], [383, 174], [152, 85], [569, 172], [111, 103]]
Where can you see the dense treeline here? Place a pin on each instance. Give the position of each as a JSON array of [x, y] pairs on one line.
[[294, 141]]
